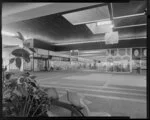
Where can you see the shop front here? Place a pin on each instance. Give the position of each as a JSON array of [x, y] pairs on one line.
[[139, 60], [119, 60]]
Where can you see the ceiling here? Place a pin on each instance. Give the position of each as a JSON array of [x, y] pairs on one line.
[[65, 23]]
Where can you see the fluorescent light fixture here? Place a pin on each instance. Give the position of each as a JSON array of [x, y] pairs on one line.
[[104, 23], [8, 33]]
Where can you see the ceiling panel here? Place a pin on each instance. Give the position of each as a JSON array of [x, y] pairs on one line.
[[85, 16], [50, 28], [9, 8], [129, 8], [22, 12]]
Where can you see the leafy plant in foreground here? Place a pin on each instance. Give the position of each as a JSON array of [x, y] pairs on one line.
[[22, 97]]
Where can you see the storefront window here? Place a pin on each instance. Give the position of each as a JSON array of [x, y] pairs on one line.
[[122, 51], [114, 52]]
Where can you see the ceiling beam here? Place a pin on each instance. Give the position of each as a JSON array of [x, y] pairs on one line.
[[126, 16], [93, 41], [128, 26]]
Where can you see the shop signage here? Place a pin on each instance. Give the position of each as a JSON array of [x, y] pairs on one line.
[[144, 52], [56, 58], [136, 53], [60, 58], [74, 52], [42, 52], [111, 37]]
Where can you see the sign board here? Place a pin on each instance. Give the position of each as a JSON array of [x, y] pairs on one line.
[[136, 53], [74, 52], [144, 52], [29, 43], [111, 37], [42, 52]]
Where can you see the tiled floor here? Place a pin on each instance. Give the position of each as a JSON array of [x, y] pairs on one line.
[[117, 94]]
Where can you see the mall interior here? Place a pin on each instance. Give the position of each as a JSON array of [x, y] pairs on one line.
[[100, 37], [104, 37]]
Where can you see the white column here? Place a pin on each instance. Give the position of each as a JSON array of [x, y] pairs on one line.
[[130, 59], [22, 64]]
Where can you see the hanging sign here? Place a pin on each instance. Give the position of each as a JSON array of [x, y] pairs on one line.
[[111, 37]]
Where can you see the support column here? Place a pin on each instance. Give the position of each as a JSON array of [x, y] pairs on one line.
[[33, 62], [130, 59], [22, 64]]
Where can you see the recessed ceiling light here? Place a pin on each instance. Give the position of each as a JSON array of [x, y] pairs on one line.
[[104, 23]]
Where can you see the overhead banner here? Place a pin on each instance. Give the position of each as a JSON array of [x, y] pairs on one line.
[[111, 37]]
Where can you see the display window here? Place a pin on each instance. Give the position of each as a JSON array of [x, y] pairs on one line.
[[114, 52], [144, 53], [117, 64], [41, 64], [136, 53], [129, 51], [28, 66], [110, 64], [125, 65], [144, 64], [122, 51], [135, 64]]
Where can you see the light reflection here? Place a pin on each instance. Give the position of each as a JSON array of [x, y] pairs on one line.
[[8, 33]]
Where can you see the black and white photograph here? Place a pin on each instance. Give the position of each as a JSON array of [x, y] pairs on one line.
[[74, 59]]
